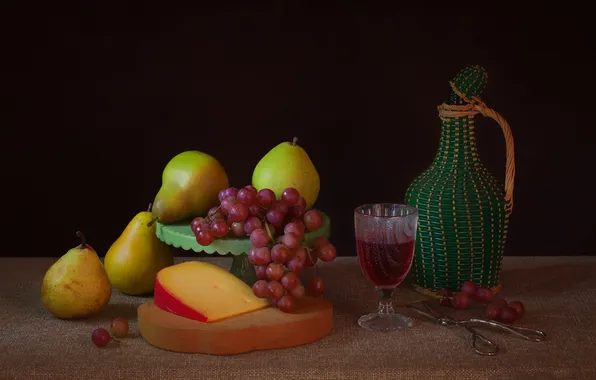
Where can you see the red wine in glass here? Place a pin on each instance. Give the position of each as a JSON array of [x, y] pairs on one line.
[[385, 242], [385, 265]]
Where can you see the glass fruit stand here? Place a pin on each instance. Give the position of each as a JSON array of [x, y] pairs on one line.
[[180, 235]]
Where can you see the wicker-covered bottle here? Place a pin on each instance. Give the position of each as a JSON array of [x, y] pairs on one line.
[[463, 210]]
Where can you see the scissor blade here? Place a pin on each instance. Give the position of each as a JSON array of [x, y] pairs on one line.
[[424, 313]]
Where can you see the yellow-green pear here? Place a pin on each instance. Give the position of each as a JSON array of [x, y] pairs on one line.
[[76, 285], [190, 183], [133, 260], [288, 165]]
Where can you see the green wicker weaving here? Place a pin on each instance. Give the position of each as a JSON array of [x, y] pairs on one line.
[[463, 210]]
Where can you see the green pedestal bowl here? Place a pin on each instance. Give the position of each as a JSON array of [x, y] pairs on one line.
[[179, 235]]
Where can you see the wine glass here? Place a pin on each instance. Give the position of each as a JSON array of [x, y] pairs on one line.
[[385, 243]]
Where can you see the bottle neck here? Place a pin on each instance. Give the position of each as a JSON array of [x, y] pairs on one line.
[[457, 146]]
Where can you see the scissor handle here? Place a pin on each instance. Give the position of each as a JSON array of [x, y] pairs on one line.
[[492, 348], [522, 332]]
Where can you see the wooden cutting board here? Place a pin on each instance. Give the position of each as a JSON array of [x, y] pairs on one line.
[[259, 330]]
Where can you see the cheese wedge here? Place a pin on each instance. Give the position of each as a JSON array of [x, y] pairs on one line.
[[203, 292]]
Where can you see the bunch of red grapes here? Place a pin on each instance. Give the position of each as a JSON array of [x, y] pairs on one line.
[[276, 229], [496, 308]]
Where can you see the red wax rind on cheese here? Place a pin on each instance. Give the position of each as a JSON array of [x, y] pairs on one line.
[[166, 301]]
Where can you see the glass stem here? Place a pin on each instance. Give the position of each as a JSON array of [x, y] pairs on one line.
[[386, 302]]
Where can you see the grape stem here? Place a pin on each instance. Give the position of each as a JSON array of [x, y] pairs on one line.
[[83, 239], [269, 232], [114, 339], [308, 252], [294, 141], [214, 211], [151, 222], [149, 207]]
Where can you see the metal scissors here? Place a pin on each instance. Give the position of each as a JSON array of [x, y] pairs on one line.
[[481, 344]]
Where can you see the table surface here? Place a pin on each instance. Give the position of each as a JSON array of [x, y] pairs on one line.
[[559, 294]]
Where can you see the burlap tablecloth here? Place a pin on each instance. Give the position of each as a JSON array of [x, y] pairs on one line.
[[559, 294]]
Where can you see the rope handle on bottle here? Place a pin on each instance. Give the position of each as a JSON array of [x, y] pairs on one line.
[[476, 106]]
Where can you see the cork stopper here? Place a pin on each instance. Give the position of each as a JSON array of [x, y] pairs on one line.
[[470, 81]]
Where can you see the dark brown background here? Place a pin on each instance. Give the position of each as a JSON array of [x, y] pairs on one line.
[[100, 98]]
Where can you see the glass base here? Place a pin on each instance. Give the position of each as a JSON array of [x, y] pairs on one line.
[[384, 322]]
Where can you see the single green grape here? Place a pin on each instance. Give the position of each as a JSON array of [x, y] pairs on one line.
[[119, 327]]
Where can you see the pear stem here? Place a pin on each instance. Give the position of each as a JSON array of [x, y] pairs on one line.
[[83, 239], [294, 141], [151, 222], [149, 207]]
